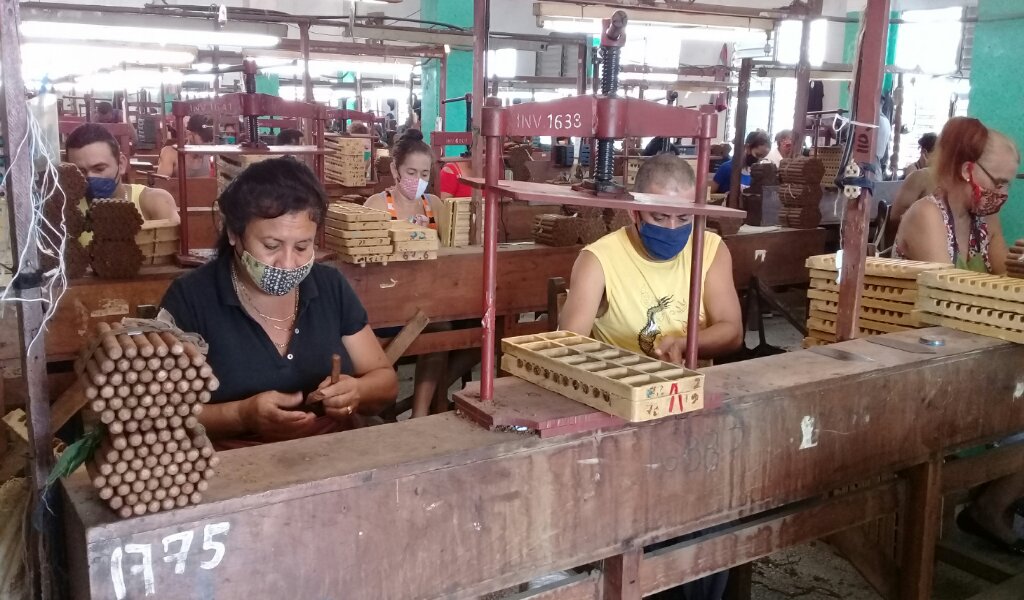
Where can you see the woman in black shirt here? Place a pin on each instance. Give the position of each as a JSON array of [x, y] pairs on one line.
[[273, 317]]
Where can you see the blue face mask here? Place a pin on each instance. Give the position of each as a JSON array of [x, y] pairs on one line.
[[100, 187], [663, 243]]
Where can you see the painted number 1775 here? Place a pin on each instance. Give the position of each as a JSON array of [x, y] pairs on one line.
[[176, 547]]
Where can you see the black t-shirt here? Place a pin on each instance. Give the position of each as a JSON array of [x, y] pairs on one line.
[[241, 354]]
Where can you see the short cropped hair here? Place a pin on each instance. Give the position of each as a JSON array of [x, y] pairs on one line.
[[663, 170], [785, 133], [91, 133]]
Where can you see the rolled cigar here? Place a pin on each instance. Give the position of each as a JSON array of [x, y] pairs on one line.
[[213, 461], [129, 455], [165, 460], [106, 469], [125, 340], [131, 401], [131, 377], [124, 414], [115, 403], [128, 476], [136, 465], [114, 480], [132, 498], [107, 392], [154, 363], [190, 373], [191, 422], [153, 506], [197, 409], [183, 362], [142, 343], [195, 498], [160, 423], [205, 371], [161, 374], [185, 385], [195, 356], [180, 435], [106, 493], [159, 471], [190, 397], [124, 390], [150, 462], [108, 454], [115, 378], [187, 488], [140, 389], [146, 375], [115, 427], [202, 485], [157, 448], [200, 464], [169, 362], [195, 477], [175, 398], [154, 388], [146, 400], [139, 413], [125, 512], [98, 405], [152, 484], [176, 423], [175, 375], [182, 481], [164, 437], [138, 486], [135, 439], [187, 467], [205, 396], [119, 442], [104, 363], [149, 439], [173, 344], [198, 385], [159, 347], [123, 489], [181, 501], [173, 468], [143, 425], [143, 452], [116, 501], [167, 387], [192, 455], [184, 410], [108, 416], [95, 375], [123, 364], [167, 504], [138, 364], [212, 383], [131, 426], [139, 509], [110, 346], [167, 482], [145, 496], [99, 482], [160, 493], [91, 391], [179, 455], [154, 411]]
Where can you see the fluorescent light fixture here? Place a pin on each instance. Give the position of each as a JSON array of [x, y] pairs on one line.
[[205, 67], [320, 68], [54, 60], [206, 78], [589, 26], [131, 79], [145, 35]]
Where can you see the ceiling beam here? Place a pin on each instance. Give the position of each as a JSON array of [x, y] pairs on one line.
[[596, 9]]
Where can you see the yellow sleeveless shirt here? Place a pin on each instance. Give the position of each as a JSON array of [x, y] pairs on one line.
[[646, 299], [134, 194]]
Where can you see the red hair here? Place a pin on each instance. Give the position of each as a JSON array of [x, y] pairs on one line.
[[962, 140]]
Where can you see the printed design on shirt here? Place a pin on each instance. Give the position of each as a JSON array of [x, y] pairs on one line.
[[651, 330]]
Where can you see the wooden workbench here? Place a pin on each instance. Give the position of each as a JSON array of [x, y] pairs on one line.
[[437, 507]]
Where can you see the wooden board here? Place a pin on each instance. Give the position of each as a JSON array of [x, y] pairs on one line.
[[342, 243], [364, 259], [994, 303], [356, 225], [880, 292], [603, 368], [908, 284], [900, 317], [353, 235], [353, 250], [977, 328], [876, 266], [415, 246], [414, 255], [833, 298], [976, 284], [826, 323], [972, 313], [405, 231], [348, 212]]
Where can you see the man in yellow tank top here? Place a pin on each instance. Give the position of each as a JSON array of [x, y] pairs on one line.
[[97, 154], [631, 288]]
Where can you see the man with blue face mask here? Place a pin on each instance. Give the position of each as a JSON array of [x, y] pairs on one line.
[[631, 287], [97, 154]]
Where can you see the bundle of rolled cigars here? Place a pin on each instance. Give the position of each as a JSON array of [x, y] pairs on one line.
[[1015, 260], [147, 387]]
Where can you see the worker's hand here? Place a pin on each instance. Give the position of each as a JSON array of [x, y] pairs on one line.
[[272, 414], [671, 349], [341, 399]]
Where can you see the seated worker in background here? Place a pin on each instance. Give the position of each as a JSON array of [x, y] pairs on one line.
[[631, 287], [783, 146], [926, 146], [959, 223], [198, 131], [407, 200], [450, 184], [919, 180], [105, 113], [289, 137], [755, 148], [358, 128], [273, 317], [97, 154], [230, 133]]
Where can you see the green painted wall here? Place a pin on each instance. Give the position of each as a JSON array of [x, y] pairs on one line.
[[460, 69], [997, 86], [850, 48]]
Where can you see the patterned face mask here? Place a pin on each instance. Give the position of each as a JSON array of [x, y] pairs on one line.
[[274, 280]]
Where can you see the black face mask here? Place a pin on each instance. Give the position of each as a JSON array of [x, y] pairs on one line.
[[751, 159]]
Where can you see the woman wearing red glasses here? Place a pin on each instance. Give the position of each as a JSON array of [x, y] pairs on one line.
[[959, 223]]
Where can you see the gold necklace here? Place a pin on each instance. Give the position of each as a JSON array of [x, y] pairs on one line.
[[249, 304]]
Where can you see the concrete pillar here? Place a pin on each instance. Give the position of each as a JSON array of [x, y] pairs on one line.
[[460, 68]]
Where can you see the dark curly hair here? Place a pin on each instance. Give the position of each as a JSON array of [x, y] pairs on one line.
[[411, 142], [267, 190]]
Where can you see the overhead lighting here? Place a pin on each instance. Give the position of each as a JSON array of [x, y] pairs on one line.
[[54, 60], [591, 26], [320, 68], [146, 35], [134, 79], [658, 32], [205, 67]]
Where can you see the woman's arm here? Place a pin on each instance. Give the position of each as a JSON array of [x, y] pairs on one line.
[[157, 205], [267, 414], [377, 201], [168, 162]]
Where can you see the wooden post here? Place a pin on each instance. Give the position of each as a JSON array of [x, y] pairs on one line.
[[738, 155], [803, 84], [622, 576], [897, 125], [481, 32], [919, 526], [868, 88], [581, 65], [26, 286]]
